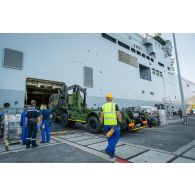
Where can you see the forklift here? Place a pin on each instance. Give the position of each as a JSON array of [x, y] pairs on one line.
[[70, 107]]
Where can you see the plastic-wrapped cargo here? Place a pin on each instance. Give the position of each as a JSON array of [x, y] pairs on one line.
[[162, 115], [2, 116], [12, 128]]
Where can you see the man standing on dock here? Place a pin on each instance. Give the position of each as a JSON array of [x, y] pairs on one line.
[[24, 127], [32, 119]]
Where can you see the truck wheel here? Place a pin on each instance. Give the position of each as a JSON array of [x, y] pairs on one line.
[[93, 124], [64, 120], [54, 117], [72, 124]]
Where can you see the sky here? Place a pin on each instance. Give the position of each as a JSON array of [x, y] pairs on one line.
[[186, 53]]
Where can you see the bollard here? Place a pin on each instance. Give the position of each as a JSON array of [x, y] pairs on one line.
[[185, 120]]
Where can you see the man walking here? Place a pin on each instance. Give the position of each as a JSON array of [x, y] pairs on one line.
[[32, 119], [110, 116], [180, 113]]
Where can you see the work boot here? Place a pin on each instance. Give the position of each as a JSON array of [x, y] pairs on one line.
[[28, 144], [35, 146], [109, 153], [7, 148]]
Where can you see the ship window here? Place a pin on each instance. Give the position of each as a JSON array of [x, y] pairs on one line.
[[88, 76], [168, 68], [188, 85], [133, 50], [143, 55], [153, 70], [152, 59], [161, 64], [148, 57], [160, 106], [160, 74], [139, 53], [123, 45], [128, 59], [143, 91], [151, 93], [145, 72], [108, 37], [13, 59], [157, 72]]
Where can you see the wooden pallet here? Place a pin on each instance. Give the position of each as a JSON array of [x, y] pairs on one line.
[[12, 142]]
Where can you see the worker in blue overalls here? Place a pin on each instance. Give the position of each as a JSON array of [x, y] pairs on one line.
[[45, 117], [24, 127], [32, 120], [110, 116]]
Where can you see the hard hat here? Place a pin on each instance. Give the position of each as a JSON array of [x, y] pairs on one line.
[[109, 95]]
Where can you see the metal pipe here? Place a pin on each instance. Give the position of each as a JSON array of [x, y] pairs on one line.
[[179, 77]]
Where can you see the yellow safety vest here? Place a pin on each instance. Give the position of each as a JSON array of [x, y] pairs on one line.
[[109, 110]]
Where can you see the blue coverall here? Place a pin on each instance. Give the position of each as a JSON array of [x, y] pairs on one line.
[[113, 140], [32, 116], [46, 123], [24, 127]]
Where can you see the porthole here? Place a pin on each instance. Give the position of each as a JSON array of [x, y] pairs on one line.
[[6, 105]]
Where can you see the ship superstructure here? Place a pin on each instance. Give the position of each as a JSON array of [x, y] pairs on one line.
[[137, 68]]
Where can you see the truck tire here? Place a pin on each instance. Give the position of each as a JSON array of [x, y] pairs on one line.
[[54, 117], [72, 124], [64, 120], [93, 124]]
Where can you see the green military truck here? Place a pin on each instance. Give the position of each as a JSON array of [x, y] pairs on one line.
[[70, 107]]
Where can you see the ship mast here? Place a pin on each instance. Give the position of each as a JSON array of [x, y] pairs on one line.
[[179, 77]]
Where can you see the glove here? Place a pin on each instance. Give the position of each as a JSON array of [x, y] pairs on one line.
[[43, 126], [110, 133]]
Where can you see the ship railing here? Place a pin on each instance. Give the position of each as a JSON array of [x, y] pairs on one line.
[[12, 110]]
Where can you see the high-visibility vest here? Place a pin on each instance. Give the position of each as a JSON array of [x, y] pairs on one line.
[[109, 110]]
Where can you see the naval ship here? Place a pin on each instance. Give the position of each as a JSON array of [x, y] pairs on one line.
[[138, 69]]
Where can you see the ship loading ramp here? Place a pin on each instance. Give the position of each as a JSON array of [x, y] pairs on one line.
[[40, 90]]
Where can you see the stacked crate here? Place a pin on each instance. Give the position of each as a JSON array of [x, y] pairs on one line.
[[12, 128]]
